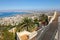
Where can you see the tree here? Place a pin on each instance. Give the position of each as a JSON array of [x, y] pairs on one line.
[[36, 21], [44, 19], [27, 24]]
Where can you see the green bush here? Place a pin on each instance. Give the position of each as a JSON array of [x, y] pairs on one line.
[[7, 35]]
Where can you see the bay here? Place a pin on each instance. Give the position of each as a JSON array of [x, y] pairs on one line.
[[7, 14]]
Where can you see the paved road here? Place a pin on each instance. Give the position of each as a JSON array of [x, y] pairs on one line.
[[51, 30], [59, 28]]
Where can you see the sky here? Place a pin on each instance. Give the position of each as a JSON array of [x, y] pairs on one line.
[[29, 4]]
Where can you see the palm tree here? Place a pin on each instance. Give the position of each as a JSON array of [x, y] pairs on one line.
[[27, 24]]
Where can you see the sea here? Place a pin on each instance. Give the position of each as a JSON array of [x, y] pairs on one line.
[[7, 14]]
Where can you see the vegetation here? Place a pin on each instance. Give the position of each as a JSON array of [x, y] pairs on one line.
[[6, 27], [36, 21], [43, 19], [6, 35], [27, 24]]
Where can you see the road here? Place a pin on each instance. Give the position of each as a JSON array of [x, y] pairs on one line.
[[59, 29], [49, 33]]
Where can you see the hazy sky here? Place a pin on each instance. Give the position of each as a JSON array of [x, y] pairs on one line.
[[29, 4]]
